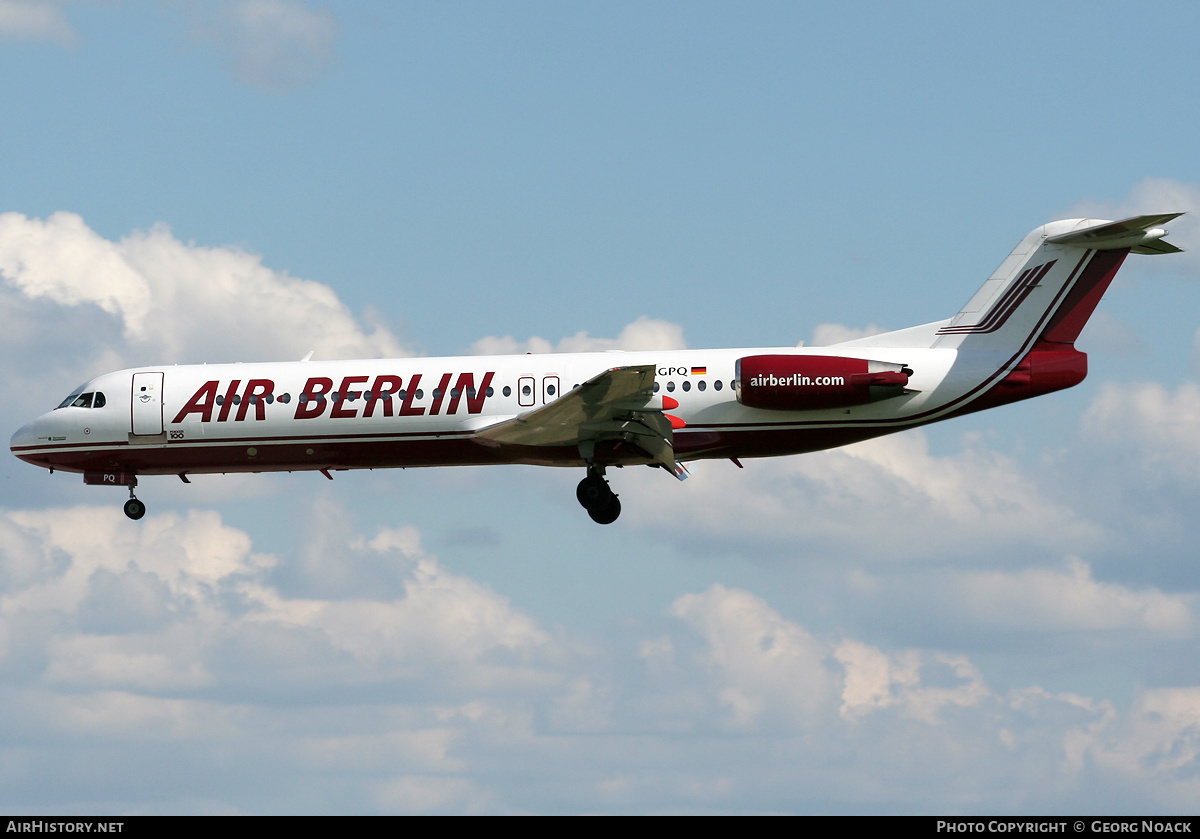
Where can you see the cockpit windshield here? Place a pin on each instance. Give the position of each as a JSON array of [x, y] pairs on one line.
[[83, 400]]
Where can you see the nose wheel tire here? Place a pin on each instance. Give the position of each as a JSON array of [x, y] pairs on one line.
[[135, 509]]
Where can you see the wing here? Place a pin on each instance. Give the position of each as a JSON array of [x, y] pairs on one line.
[[618, 404]]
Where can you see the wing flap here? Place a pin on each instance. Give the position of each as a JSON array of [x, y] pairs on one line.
[[616, 404]]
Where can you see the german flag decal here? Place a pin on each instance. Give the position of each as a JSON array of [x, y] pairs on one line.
[[699, 371]]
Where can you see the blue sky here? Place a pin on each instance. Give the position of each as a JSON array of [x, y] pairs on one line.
[[998, 614]]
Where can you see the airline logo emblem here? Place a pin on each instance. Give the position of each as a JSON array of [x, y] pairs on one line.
[[386, 396]]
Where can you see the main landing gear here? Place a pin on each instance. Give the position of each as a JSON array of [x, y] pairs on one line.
[[597, 497]]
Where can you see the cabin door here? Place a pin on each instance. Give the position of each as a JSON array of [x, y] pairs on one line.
[[147, 411]]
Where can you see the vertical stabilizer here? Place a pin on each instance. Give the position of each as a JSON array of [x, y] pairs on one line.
[[1050, 284]]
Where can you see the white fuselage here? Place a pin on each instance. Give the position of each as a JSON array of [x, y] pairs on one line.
[[424, 411]]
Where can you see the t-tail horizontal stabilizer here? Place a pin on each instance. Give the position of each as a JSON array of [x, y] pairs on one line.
[[1141, 234]]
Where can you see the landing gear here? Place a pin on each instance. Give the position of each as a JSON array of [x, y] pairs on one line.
[[593, 491], [597, 497], [609, 512], [133, 508]]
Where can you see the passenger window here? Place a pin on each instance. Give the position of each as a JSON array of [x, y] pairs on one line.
[[656, 387], [700, 385], [717, 384], [670, 387], [507, 390], [491, 392], [285, 398], [687, 385]]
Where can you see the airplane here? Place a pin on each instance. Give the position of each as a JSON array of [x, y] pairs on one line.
[[1013, 340]]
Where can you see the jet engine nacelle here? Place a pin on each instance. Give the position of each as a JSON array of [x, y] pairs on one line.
[[813, 382]]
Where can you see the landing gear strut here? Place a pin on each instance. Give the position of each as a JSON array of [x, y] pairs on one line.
[[133, 508], [597, 497]]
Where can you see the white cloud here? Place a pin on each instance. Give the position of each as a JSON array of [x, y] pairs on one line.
[[35, 20], [442, 697], [172, 301], [440, 620], [1152, 753], [645, 333], [1163, 426], [872, 681], [890, 498], [869, 678], [763, 663], [1044, 599], [273, 45]]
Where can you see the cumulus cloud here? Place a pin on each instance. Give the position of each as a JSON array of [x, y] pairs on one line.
[[889, 497], [645, 333], [910, 710], [1070, 599], [763, 663], [173, 639], [148, 606], [1161, 425], [873, 681], [273, 45], [1152, 753], [168, 300], [35, 20]]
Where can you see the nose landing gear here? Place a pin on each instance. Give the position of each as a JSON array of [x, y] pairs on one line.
[[133, 508], [597, 497]]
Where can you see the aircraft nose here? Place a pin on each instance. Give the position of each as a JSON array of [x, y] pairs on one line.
[[22, 438]]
